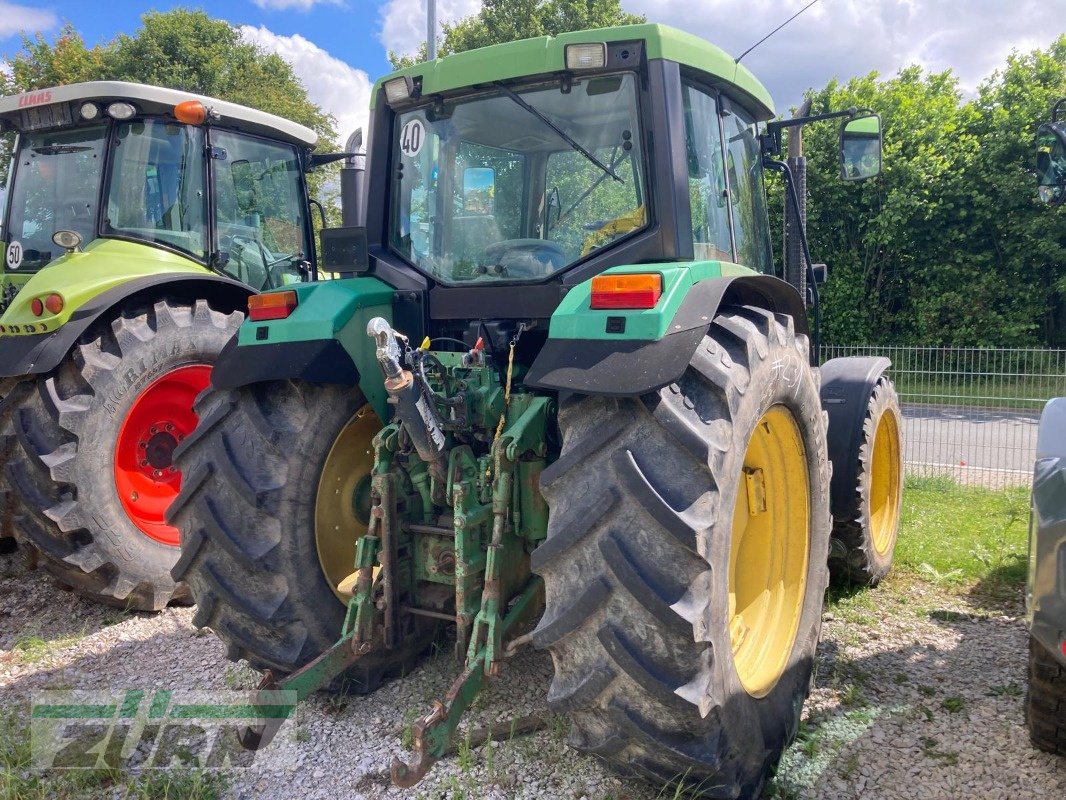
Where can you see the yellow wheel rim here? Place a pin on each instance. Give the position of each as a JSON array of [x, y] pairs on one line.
[[342, 503], [768, 552], [885, 480]]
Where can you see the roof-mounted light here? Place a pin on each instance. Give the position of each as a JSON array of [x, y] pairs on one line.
[[89, 111], [121, 111], [399, 89], [590, 55], [191, 112]]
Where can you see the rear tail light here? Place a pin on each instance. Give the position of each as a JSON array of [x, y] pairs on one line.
[[626, 291], [272, 305], [54, 303], [37, 306]]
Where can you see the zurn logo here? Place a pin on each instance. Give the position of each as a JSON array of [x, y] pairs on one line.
[[135, 730]]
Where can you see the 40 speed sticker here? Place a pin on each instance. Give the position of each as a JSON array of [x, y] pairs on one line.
[[412, 137]]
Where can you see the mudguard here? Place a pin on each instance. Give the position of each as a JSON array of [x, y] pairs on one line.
[[323, 340], [1046, 587], [34, 354], [847, 384], [627, 353]]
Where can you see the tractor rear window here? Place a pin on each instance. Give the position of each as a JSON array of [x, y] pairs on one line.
[[502, 187], [156, 192], [55, 187]]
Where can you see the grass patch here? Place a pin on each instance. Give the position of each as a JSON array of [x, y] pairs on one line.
[[953, 534], [32, 649]]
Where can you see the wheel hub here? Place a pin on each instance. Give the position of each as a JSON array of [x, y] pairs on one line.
[[769, 551], [157, 421], [885, 481]]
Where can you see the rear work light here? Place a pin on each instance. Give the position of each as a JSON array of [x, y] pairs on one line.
[[272, 305], [626, 291], [592, 55]]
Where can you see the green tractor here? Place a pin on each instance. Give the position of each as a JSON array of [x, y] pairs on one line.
[[558, 380], [138, 221]]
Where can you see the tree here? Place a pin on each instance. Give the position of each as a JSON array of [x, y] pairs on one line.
[[501, 21]]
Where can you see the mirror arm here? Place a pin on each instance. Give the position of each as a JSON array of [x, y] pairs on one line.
[[812, 283]]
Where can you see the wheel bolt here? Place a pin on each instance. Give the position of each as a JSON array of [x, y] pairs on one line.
[[158, 473], [170, 426], [143, 445], [154, 429], [134, 496], [181, 437], [144, 462]]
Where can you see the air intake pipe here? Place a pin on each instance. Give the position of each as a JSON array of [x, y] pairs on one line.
[[353, 174]]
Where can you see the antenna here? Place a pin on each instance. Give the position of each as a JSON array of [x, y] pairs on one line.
[[775, 30]]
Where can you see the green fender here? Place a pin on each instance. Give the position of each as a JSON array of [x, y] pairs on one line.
[[323, 340]]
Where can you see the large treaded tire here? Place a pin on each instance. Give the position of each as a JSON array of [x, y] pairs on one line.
[[246, 512], [59, 433], [853, 557], [1045, 702], [637, 559]]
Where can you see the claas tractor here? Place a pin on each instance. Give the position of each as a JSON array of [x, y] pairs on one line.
[[559, 399], [1046, 587], [138, 221]]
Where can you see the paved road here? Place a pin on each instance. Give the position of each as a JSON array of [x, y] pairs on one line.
[[970, 438]]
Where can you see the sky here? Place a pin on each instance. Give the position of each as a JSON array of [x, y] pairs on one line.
[[338, 47]]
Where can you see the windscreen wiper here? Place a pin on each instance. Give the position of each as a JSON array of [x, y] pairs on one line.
[[566, 137], [58, 149]]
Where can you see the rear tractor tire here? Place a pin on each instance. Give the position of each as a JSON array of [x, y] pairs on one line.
[[864, 534], [686, 562], [87, 451], [276, 492]]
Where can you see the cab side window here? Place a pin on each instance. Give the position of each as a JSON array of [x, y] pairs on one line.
[[708, 197], [744, 170]]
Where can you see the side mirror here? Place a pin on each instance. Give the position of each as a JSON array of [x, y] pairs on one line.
[[479, 190], [860, 148], [1051, 163]]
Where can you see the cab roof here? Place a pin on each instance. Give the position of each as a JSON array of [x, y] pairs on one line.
[[153, 100], [546, 55]]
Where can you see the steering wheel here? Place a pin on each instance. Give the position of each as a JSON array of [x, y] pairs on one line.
[[526, 258]]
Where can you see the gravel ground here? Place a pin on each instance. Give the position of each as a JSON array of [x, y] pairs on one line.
[[920, 693]]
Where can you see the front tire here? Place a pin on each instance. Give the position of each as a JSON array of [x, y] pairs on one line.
[[276, 493], [864, 535], [88, 463], [683, 652]]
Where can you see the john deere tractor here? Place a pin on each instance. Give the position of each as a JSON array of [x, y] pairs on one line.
[[138, 221], [559, 382]]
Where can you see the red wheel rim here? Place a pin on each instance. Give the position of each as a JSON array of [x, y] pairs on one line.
[[158, 420]]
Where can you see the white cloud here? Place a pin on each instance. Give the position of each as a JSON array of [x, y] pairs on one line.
[[337, 87], [403, 22], [23, 19], [298, 5], [846, 38]]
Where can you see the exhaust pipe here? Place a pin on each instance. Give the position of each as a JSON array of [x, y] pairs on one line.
[[353, 175], [795, 265]]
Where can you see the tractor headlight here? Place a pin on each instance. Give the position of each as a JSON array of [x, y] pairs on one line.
[[89, 111], [592, 55], [399, 89], [121, 111]]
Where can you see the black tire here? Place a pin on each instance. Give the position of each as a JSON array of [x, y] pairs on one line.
[[60, 430], [8, 542], [246, 512], [636, 564], [1045, 702], [864, 538]]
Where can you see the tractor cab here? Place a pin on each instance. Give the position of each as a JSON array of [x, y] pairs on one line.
[[1051, 157], [136, 169]]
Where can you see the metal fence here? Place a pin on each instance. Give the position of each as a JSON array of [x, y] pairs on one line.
[[970, 413]]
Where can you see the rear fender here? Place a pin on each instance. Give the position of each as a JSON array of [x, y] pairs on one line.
[[323, 340], [628, 353], [38, 353], [847, 385]]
